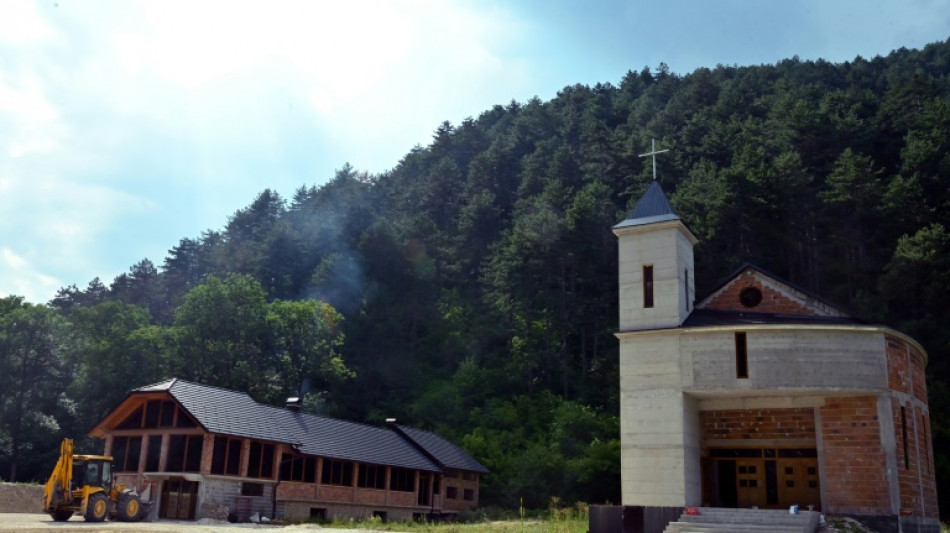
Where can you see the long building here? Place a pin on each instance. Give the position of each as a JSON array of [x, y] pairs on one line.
[[216, 453]]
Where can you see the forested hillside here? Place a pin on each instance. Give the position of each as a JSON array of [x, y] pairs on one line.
[[473, 290]]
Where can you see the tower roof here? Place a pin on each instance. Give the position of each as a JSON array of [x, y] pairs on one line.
[[652, 207]]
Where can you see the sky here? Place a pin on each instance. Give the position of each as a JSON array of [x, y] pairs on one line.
[[126, 126]]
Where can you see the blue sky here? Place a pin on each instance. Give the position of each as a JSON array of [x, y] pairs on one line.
[[126, 126]]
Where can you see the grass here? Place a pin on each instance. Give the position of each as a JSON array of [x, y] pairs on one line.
[[554, 520], [575, 525]]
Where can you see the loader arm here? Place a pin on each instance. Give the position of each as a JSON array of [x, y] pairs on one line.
[[57, 490]]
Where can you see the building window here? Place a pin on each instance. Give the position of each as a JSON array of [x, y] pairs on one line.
[[468, 494], [647, 285], [924, 436], [742, 356], [298, 468], [451, 493], [750, 297], [371, 477], [260, 460], [318, 514], [402, 479], [337, 473], [184, 453], [125, 453], [252, 489], [154, 453], [226, 459], [158, 414], [904, 433]]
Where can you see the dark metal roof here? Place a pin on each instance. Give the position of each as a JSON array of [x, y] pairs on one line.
[[234, 413], [712, 317], [652, 207], [443, 451]]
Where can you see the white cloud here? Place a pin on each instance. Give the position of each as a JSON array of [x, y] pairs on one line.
[[197, 103], [22, 25], [23, 279], [30, 119]]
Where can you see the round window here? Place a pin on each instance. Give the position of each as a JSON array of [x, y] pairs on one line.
[[750, 297]]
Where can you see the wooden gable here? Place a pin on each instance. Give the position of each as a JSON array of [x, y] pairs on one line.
[[153, 410], [754, 291]]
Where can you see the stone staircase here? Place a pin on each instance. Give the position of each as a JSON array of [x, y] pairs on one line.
[[717, 520]]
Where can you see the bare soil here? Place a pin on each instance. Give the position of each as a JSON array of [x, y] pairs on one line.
[[18, 498], [21, 510], [36, 523]]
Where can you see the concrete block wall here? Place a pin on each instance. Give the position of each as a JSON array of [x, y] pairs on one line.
[[659, 426], [781, 358], [668, 249]]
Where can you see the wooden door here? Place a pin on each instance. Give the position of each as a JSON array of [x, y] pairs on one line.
[[179, 499], [750, 482], [798, 483]]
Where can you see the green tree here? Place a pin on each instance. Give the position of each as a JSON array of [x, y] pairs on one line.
[[306, 336], [33, 376], [110, 358], [220, 334]]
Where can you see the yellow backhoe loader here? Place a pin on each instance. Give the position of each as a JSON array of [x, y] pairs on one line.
[[84, 484]]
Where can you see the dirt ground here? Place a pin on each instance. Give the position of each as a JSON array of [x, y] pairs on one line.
[[21, 506], [38, 522], [16, 498]]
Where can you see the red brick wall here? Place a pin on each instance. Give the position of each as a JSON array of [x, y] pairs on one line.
[[772, 300], [898, 375], [462, 481], [854, 464], [915, 470], [743, 424], [295, 490], [907, 376], [917, 376], [906, 371], [927, 474]]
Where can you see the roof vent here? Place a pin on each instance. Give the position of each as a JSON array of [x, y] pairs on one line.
[[294, 403]]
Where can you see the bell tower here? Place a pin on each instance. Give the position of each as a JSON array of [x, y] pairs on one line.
[[657, 288]]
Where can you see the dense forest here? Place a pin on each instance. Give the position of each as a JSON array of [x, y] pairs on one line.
[[472, 289]]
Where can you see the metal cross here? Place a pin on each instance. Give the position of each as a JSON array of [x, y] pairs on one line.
[[653, 153]]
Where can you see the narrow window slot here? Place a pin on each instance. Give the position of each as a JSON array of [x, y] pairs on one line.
[[742, 357], [686, 280], [904, 434], [648, 286]]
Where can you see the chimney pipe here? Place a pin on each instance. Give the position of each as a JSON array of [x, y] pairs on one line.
[[294, 404]]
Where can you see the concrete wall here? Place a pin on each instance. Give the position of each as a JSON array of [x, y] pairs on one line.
[[669, 250], [668, 377], [659, 426], [301, 511], [818, 359]]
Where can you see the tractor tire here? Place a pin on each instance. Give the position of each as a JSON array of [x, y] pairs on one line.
[[97, 508], [130, 508], [61, 515]]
